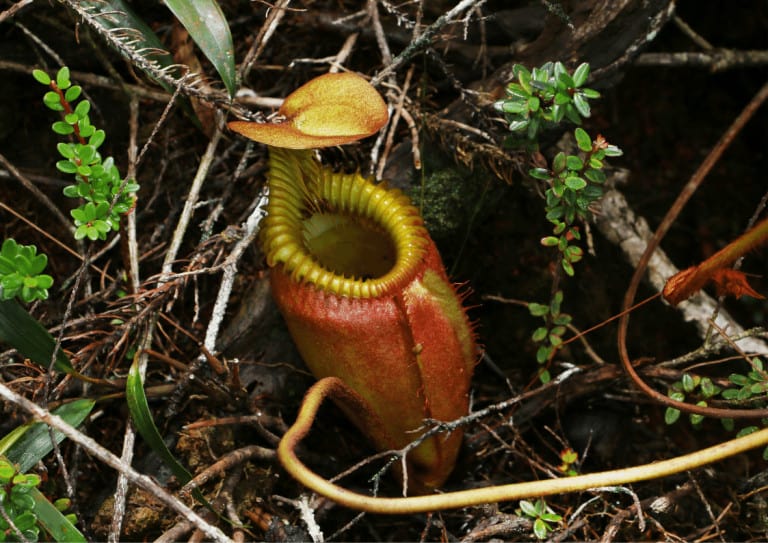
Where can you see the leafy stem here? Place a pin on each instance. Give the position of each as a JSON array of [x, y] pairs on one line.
[[97, 179], [574, 186], [540, 98]]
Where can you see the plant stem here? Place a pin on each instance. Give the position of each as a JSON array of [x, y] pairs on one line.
[[96, 450]]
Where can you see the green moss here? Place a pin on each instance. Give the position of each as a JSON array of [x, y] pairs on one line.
[[450, 196]]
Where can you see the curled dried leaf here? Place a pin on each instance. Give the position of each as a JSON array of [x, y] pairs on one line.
[[717, 269], [734, 283]]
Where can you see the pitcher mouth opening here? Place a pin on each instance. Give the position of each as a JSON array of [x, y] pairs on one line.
[[349, 246], [339, 231]]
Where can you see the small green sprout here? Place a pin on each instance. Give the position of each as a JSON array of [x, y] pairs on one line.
[[569, 460], [541, 514]]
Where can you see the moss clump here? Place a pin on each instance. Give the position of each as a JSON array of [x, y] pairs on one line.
[[450, 198]]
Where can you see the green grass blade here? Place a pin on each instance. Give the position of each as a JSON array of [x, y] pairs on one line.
[[142, 419], [145, 425], [53, 521], [35, 443], [209, 29], [22, 332]]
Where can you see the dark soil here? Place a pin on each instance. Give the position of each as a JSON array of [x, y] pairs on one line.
[[666, 120]]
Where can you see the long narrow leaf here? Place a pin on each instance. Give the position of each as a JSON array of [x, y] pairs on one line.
[[209, 29], [142, 419], [129, 35], [35, 443], [117, 16], [12, 437], [22, 332], [54, 522]]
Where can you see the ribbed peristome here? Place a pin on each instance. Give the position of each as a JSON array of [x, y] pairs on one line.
[[307, 202]]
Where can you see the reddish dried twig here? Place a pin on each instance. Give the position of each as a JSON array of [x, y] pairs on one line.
[[666, 223]]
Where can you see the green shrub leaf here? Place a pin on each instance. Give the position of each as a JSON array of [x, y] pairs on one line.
[[575, 183], [41, 77], [671, 415], [581, 74], [583, 140], [73, 93], [574, 163], [62, 78], [62, 128]]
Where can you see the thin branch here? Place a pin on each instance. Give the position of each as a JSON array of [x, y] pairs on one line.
[[695, 37], [232, 458], [132, 252], [7, 518], [425, 38], [11, 11], [267, 30], [685, 194], [191, 200], [393, 122], [93, 80], [39, 195], [105, 456], [132, 246], [717, 60], [344, 52], [373, 12], [230, 271]]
